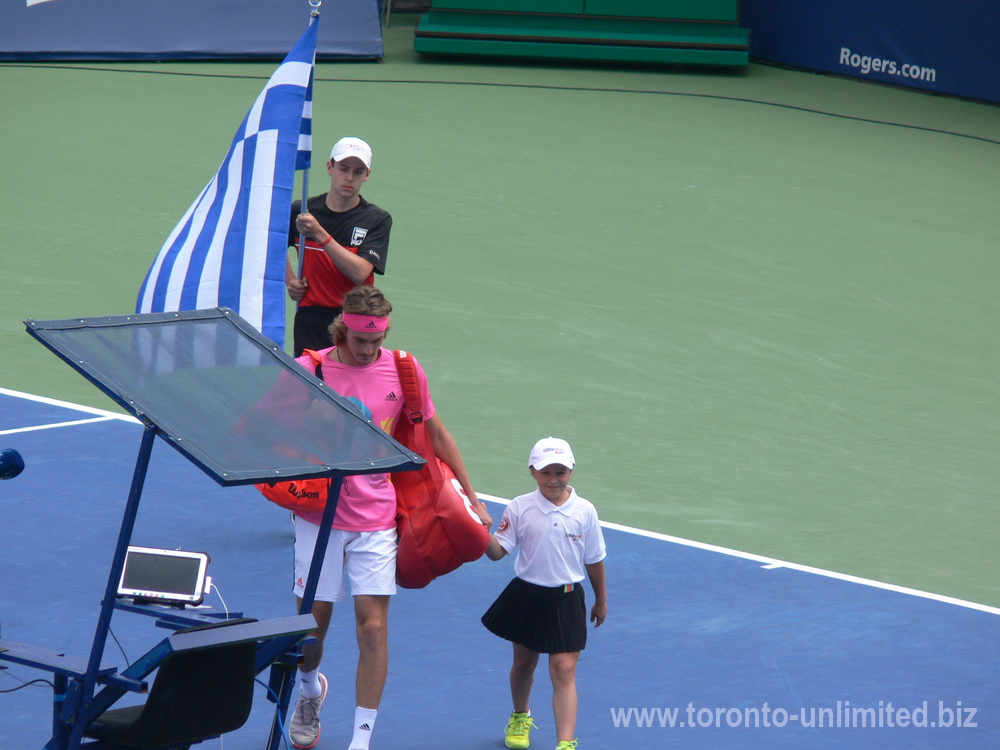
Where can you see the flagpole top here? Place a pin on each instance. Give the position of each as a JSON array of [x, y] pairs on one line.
[[314, 4]]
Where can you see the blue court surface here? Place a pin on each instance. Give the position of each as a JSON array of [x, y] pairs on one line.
[[703, 648]]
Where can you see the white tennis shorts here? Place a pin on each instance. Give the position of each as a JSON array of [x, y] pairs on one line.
[[368, 558]]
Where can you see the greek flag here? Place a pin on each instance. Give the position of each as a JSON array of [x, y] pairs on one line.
[[230, 247]]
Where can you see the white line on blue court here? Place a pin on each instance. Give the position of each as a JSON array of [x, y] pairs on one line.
[[767, 563], [55, 424], [770, 563], [68, 405]]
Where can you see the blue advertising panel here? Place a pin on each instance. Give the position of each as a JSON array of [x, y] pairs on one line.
[[942, 46], [182, 29]]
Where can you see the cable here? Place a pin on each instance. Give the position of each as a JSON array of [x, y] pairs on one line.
[[27, 684], [281, 722], [124, 655], [219, 594], [605, 90]]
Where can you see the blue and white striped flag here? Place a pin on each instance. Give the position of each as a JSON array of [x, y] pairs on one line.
[[230, 248]]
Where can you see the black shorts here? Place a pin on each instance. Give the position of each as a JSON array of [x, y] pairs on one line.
[[311, 328], [545, 620]]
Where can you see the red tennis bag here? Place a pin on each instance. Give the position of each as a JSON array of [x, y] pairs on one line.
[[438, 530], [304, 495]]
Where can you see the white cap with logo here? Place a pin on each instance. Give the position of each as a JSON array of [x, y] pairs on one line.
[[551, 450], [346, 147]]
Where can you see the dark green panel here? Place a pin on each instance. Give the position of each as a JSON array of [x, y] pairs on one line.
[[708, 10], [578, 26], [565, 51], [512, 6], [571, 38]]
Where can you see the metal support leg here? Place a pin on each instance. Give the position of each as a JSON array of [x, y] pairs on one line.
[[287, 682], [75, 711]]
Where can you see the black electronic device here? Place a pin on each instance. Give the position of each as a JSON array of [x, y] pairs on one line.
[[164, 576]]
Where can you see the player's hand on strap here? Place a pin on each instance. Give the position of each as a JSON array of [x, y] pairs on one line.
[[484, 516]]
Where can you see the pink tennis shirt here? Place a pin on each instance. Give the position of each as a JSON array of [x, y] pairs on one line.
[[368, 501]]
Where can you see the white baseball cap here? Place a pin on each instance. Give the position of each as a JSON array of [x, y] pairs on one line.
[[551, 450], [346, 147]]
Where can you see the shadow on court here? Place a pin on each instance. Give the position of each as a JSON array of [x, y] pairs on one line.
[[700, 649]]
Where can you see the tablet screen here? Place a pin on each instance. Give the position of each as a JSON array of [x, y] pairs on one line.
[[164, 576]]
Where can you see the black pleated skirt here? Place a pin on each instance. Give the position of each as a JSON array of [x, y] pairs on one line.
[[545, 620]]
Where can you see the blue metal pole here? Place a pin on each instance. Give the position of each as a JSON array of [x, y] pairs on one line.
[[283, 674], [322, 539], [302, 209], [75, 714], [313, 15]]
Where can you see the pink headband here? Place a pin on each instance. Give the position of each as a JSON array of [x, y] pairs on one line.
[[365, 323]]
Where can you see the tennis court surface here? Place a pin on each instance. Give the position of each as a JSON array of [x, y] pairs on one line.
[[702, 648]]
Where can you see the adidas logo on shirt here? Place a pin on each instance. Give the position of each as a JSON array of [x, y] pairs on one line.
[[392, 396]]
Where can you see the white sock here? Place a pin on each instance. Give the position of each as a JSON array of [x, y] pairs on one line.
[[364, 723], [309, 685]]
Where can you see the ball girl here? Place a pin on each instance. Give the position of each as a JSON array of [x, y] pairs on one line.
[[543, 611]]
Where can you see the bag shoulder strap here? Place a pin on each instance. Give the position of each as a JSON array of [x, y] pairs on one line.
[[409, 379], [317, 359]]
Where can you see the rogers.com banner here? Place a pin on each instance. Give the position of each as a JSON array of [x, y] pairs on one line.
[[943, 46]]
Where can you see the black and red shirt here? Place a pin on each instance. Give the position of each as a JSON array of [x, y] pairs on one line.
[[364, 230]]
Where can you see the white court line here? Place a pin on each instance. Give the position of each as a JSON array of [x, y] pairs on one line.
[[768, 563], [55, 424], [68, 405]]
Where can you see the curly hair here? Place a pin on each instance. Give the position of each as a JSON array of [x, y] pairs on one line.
[[361, 300]]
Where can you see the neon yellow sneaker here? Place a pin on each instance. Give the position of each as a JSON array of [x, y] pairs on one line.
[[517, 730], [566, 745]]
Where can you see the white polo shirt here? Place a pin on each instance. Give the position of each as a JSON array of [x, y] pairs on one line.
[[554, 542]]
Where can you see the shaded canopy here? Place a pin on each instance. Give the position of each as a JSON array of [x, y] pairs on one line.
[[224, 395]]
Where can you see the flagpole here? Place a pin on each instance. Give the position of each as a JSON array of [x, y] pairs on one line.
[[302, 209], [304, 204], [285, 679]]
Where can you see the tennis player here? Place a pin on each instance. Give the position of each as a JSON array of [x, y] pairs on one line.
[[362, 546]]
